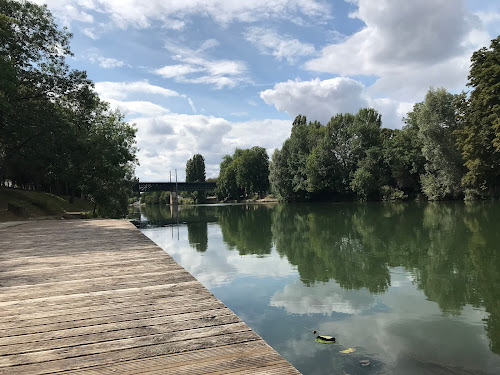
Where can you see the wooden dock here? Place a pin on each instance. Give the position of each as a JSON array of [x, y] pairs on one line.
[[99, 297]]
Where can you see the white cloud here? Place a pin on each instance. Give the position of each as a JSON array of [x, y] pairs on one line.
[[409, 45], [109, 62], [269, 42], [415, 32], [219, 73], [143, 108], [191, 104], [68, 11], [172, 138], [268, 133], [173, 71], [103, 62], [121, 90], [115, 93], [173, 13], [489, 17], [90, 33], [392, 111], [174, 24], [318, 100]]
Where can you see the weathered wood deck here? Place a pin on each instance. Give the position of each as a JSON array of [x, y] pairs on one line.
[[98, 297]]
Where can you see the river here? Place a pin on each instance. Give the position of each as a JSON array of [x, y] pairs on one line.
[[404, 288]]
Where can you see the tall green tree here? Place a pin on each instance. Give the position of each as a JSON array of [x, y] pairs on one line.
[[370, 173], [437, 121], [403, 157], [35, 80], [288, 168], [479, 140], [246, 172], [349, 158], [330, 164], [195, 169], [195, 172], [55, 133]]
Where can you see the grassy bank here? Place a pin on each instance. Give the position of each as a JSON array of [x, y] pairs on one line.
[[38, 205]]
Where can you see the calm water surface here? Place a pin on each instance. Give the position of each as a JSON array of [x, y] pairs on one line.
[[414, 289]]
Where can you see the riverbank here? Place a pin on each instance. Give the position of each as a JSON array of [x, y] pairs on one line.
[[17, 204]]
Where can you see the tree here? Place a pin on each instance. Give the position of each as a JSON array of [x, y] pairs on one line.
[[402, 151], [227, 187], [330, 163], [195, 169], [370, 173], [107, 174], [246, 172], [349, 157], [280, 177], [56, 134], [436, 120], [252, 174], [288, 169], [479, 140], [195, 172]]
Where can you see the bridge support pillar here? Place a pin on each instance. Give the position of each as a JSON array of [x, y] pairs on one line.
[[173, 197]]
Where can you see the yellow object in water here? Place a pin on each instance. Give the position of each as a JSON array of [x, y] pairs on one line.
[[325, 339], [348, 350]]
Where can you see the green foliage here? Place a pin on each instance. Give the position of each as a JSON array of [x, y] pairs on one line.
[[195, 172], [156, 197], [436, 120], [288, 168], [403, 157], [392, 194], [336, 160], [198, 236], [246, 229], [55, 133], [330, 165], [479, 139], [227, 187], [195, 169], [246, 172]]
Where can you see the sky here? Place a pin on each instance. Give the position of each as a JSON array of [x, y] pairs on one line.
[[207, 76]]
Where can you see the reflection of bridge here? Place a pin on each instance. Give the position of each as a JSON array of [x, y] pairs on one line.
[[174, 187]]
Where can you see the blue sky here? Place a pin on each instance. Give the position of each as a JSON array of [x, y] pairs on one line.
[[207, 76]]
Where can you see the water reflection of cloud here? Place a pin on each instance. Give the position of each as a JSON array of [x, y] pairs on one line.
[[322, 298], [411, 335], [217, 266]]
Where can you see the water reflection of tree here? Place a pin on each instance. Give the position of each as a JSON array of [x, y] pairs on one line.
[[324, 244], [483, 245], [156, 212], [246, 228], [451, 249], [198, 235]]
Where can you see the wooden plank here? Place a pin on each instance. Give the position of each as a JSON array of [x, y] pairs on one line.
[[110, 332], [54, 301], [98, 297], [33, 326], [66, 312], [208, 361]]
